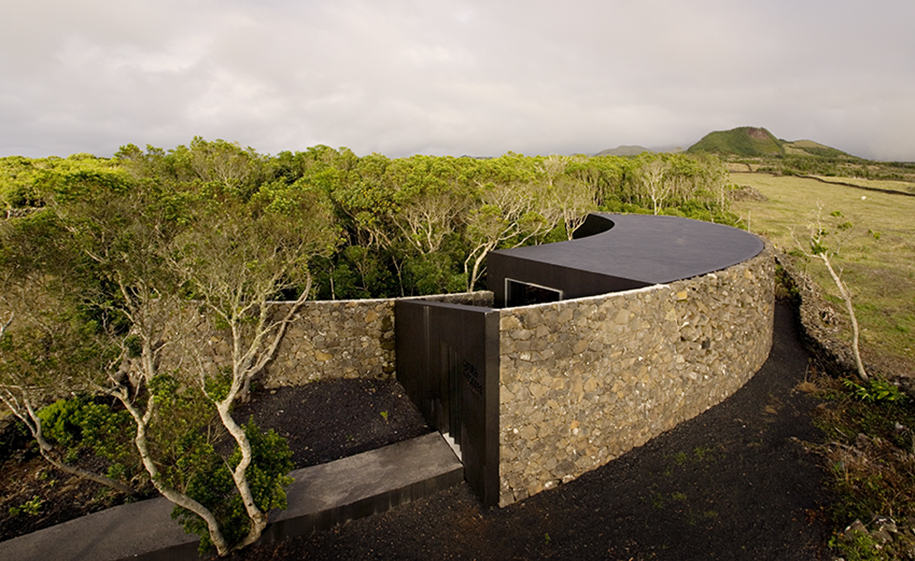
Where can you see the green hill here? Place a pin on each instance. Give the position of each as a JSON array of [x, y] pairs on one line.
[[759, 142], [742, 141], [624, 150], [811, 148]]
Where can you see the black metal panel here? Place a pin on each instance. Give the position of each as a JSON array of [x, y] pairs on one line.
[[573, 283], [448, 362], [411, 327]]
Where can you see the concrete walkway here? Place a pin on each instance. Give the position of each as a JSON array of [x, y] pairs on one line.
[[320, 497]]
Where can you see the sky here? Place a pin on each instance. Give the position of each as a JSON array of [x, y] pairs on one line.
[[453, 77]]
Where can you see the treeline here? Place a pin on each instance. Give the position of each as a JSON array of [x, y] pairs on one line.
[[135, 291], [405, 226], [808, 165], [835, 167]]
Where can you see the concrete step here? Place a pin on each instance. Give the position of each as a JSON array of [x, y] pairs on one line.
[[320, 497]]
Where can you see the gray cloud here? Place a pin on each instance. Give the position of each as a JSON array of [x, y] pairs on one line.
[[454, 77]]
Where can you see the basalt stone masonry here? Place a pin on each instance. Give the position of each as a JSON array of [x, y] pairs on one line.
[[599, 344], [582, 351], [583, 381], [333, 339]]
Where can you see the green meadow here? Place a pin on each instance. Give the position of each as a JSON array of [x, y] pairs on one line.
[[874, 234]]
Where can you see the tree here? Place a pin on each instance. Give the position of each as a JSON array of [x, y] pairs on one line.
[[122, 227], [569, 197], [507, 212], [235, 258], [40, 347], [47, 350], [652, 181], [431, 200], [602, 175], [817, 247], [713, 180], [173, 265]]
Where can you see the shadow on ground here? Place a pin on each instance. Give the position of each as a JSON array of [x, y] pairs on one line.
[[733, 483]]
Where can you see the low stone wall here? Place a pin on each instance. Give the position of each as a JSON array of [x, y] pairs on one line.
[[583, 381], [344, 339]]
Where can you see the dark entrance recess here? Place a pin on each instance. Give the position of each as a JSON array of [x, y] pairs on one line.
[[448, 362], [519, 293]]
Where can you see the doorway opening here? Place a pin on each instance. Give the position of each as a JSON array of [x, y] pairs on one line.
[[519, 293]]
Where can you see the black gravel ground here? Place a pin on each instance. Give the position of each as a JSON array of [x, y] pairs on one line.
[[733, 483], [328, 420]]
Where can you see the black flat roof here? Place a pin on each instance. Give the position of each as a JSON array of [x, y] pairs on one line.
[[646, 248]]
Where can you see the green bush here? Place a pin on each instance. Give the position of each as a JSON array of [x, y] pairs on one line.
[[80, 425], [31, 507], [875, 390], [209, 482]]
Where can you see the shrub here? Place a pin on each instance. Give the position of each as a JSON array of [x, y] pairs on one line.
[[875, 390], [209, 481], [80, 425]]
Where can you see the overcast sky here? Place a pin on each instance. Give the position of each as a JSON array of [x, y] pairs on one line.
[[452, 77]]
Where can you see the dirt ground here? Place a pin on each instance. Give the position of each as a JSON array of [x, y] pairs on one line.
[[326, 421], [733, 483]]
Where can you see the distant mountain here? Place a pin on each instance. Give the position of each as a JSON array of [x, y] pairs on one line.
[[742, 141], [623, 150], [635, 150], [757, 141]]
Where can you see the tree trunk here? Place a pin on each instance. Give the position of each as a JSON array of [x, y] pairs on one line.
[[843, 290], [475, 271], [257, 517], [173, 495]]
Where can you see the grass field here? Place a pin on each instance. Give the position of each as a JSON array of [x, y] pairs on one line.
[[876, 255]]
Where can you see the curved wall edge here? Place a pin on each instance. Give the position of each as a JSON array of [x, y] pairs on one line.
[[583, 381], [617, 252]]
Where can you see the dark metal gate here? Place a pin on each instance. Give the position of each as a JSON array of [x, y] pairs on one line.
[[448, 362]]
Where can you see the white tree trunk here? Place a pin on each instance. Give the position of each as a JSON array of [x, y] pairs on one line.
[[843, 290], [258, 518], [173, 495]]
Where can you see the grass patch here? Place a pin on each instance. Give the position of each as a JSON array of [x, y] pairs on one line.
[[857, 544], [870, 456], [876, 257]]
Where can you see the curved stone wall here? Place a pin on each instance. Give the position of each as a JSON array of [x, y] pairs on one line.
[[583, 381], [579, 381]]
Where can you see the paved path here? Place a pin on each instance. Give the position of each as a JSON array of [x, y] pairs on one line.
[[320, 497]]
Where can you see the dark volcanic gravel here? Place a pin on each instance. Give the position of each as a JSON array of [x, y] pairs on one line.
[[733, 483], [332, 419]]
